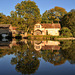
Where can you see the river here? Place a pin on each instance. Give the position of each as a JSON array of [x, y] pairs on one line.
[[37, 57]]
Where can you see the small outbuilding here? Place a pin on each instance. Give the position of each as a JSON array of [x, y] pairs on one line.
[[5, 29]]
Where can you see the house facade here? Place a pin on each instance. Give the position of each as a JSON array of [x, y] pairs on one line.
[[47, 29]]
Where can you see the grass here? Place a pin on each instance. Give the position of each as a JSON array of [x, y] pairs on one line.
[[45, 37]]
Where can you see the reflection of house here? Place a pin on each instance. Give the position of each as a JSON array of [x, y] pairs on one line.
[[5, 29], [4, 45], [47, 29], [46, 45], [8, 44]]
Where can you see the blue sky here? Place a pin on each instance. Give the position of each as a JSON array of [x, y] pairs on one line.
[[6, 6]]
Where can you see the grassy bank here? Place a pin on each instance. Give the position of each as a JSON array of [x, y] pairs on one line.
[[43, 37], [48, 37]]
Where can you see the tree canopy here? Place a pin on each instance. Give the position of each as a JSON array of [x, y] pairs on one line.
[[68, 20], [29, 11], [54, 14], [66, 32]]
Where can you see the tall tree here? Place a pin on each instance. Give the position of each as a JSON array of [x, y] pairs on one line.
[[69, 21], [54, 14], [29, 11]]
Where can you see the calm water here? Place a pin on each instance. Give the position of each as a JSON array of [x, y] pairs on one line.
[[27, 57]]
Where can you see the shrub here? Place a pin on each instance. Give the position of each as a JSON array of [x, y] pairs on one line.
[[66, 32]]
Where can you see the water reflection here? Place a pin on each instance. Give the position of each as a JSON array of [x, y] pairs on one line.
[[28, 52], [46, 45]]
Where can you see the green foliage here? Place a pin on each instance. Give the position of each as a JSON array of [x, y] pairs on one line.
[[66, 44], [29, 11], [4, 19], [53, 15], [69, 21], [66, 32], [69, 52]]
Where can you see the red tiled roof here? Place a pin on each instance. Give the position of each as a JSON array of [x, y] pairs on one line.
[[51, 25]]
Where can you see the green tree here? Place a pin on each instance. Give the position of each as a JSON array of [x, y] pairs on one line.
[[68, 20], [66, 32], [53, 15], [69, 53], [29, 11]]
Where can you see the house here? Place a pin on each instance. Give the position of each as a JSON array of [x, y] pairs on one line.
[[47, 29], [5, 29]]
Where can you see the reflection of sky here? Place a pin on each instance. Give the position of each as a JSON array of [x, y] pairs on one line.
[[5, 66], [45, 68]]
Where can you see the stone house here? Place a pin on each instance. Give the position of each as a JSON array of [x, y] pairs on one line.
[[47, 29]]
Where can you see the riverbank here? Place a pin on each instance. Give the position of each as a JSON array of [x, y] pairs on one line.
[[48, 37]]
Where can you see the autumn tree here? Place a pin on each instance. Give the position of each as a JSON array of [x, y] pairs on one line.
[[29, 11], [3, 18], [54, 14]]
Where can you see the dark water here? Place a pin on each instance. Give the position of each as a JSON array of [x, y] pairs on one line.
[[27, 57]]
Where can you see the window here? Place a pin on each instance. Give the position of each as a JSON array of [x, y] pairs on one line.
[[38, 26]]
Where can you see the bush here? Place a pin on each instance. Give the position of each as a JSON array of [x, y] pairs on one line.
[[66, 32]]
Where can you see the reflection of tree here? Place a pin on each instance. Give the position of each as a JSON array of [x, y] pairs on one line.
[[26, 60], [4, 52], [66, 44], [69, 53], [27, 66], [53, 57]]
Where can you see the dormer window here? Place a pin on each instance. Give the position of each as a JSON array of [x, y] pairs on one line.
[[38, 26]]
